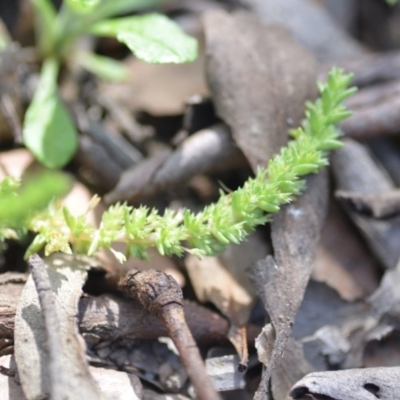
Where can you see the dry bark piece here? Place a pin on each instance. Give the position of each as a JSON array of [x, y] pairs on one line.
[[376, 205], [208, 150], [259, 78], [97, 322], [161, 295], [281, 280], [355, 170], [67, 276], [303, 18], [353, 384]]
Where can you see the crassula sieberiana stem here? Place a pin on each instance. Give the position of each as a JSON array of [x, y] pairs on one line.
[[231, 218]]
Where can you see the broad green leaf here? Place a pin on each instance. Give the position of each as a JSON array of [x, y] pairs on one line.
[[104, 67], [48, 129], [33, 195], [153, 38], [83, 6]]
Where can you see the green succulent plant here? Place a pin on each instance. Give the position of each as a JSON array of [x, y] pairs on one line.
[[229, 220]]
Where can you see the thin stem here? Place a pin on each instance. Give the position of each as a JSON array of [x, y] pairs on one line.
[[189, 353]]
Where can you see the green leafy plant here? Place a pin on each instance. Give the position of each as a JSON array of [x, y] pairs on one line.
[[48, 130], [230, 219], [20, 203]]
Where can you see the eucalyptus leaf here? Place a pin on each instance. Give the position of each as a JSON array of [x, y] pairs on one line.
[[48, 129], [104, 67], [153, 38]]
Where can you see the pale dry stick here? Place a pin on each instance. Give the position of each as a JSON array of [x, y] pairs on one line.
[[52, 324], [161, 295]]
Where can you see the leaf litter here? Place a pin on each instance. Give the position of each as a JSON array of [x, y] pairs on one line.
[[258, 76]]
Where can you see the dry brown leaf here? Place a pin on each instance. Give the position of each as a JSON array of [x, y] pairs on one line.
[[352, 384], [377, 205], [259, 78], [67, 276], [343, 261], [281, 280], [158, 89], [356, 170], [304, 18]]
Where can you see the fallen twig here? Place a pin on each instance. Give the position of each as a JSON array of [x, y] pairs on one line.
[[162, 296]]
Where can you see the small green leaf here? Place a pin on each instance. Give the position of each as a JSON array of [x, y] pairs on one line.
[[83, 6], [104, 67], [48, 129], [153, 38]]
